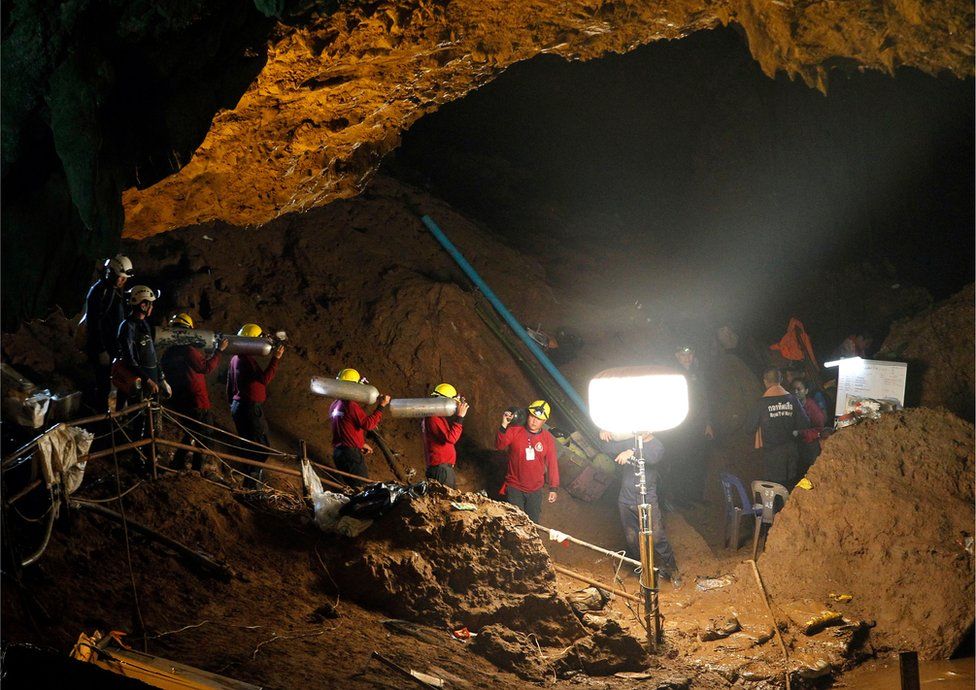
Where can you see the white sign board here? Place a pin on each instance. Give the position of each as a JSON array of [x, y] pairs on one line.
[[869, 378]]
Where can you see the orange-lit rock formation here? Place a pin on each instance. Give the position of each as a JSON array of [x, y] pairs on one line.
[[338, 89]]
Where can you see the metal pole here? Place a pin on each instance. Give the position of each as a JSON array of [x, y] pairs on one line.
[[648, 580], [599, 549], [302, 457], [152, 436]]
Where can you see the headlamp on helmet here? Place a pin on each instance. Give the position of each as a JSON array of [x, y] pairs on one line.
[[540, 409]]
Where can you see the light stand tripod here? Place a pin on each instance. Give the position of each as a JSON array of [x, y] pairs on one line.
[[648, 580]]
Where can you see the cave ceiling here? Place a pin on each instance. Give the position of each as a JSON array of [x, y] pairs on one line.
[[341, 84], [132, 117]]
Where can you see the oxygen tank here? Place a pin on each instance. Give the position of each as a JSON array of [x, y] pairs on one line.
[[362, 393], [242, 345], [168, 337], [423, 407]]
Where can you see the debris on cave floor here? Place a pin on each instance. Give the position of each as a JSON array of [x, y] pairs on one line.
[[436, 570]]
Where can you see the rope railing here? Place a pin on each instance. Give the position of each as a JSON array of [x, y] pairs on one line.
[[153, 441], [200, 445], [32, 444]]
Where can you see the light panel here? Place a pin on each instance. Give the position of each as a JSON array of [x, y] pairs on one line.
[[638, 399]]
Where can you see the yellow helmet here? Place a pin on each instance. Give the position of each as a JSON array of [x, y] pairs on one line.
[[445, 390], [349, 375], [182, 319], [250, 330], [540, 409]]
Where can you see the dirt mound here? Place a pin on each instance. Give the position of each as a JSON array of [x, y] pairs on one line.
[[429, 562], [277, 622], [938, 345], [889, 520]]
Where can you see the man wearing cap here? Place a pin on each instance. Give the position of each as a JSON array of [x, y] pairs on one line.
[[349, 426], [104, 312], [531, 457], [440, 436], [186, 368]]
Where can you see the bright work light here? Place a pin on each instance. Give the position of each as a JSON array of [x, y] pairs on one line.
[[638, 399]]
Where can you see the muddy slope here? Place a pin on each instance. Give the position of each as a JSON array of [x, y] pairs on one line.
[[887, 521]]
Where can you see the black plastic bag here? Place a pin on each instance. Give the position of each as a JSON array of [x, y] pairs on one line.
[[376, 499]]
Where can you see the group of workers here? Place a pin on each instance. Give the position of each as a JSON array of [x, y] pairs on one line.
[[120, 344], [121, 351]]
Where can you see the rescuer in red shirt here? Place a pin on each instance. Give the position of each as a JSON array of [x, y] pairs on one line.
[[349, 426], [247, 389], [185, 368], [531, 455], [440, 436]]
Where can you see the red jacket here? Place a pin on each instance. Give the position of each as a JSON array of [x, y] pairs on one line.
[[525, 474], [185, 368], [440, 435], [350, 423], [816, 416], [246, 381]]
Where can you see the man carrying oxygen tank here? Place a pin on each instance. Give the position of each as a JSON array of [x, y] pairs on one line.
[[350, 423], [186, 369], [440, 436], [247, 389]]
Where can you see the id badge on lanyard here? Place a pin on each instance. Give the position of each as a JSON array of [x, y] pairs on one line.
[[530, 453]]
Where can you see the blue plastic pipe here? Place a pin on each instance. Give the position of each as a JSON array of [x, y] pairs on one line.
[[505, 314]]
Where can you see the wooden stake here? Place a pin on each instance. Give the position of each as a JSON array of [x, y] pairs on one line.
[[596, 583], [176, 546], [908, 670], [769, 609]]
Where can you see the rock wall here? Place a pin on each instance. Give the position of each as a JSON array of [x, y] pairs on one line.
[[889, 520], [339, 88], [270, 107]]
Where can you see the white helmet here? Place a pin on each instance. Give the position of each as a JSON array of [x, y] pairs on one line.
[[141, 293], [120, 265]]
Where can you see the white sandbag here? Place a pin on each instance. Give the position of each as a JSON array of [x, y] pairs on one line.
[[59, 455]]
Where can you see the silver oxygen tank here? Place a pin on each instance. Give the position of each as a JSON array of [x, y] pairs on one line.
[[168, 337], [242, 345], [433, 406], [363, 393]]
